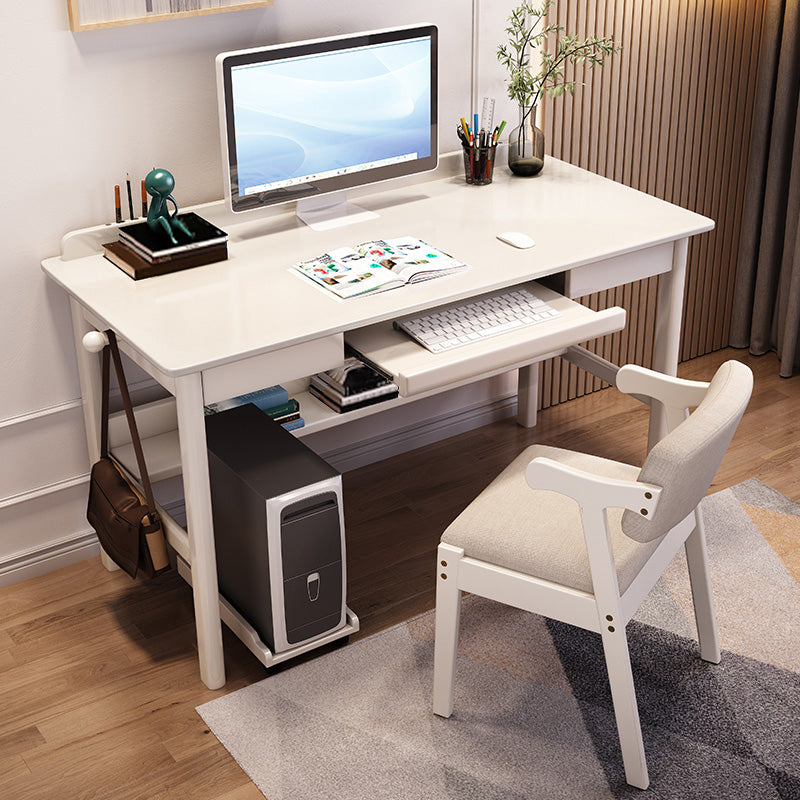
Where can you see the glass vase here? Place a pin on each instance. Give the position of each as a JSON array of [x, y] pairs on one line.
[[526, 145]]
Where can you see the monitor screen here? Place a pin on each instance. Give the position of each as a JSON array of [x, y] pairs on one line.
[[308, 118]]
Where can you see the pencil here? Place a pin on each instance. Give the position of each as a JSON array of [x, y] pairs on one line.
[[117, 205], [471, 160], [130, 197], [144, 200], [487, 173]]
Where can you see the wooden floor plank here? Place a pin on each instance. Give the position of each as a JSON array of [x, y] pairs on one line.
[[98, 673]]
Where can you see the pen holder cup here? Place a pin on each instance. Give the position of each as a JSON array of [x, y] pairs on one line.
[[479, 164]]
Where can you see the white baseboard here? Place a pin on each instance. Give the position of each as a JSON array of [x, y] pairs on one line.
[[23, 566], [83, 545]]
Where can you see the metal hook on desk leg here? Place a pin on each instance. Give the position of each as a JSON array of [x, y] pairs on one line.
[[95, 341]]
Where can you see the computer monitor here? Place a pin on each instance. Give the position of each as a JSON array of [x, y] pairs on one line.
[[308, 120]]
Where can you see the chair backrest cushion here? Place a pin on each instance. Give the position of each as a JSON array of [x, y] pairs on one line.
[[685, 461]]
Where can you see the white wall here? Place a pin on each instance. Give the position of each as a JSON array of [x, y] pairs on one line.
[[80, 111]]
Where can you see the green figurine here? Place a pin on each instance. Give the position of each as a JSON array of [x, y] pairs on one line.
[[159, 184]]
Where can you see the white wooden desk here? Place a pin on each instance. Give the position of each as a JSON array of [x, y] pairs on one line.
[[225, 329]]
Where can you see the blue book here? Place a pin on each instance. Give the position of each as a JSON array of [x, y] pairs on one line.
[[264, 398], [295, 423]]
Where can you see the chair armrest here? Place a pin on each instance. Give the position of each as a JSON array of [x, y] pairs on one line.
[[672, 392], [591, 490]]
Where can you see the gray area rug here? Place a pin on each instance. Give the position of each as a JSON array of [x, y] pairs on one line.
[[533, 716]]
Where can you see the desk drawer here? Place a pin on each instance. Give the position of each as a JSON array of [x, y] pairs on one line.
[[416, 370], [277, 366], [617, 271]]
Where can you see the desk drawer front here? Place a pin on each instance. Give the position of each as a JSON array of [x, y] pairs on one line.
[[619, 270], [277, 366]]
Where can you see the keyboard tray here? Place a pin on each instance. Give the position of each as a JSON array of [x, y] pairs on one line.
[[416, 370]]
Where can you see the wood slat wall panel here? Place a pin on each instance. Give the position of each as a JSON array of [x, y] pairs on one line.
[[669, 115]]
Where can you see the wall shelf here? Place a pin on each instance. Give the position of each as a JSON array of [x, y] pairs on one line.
[[88, 15]]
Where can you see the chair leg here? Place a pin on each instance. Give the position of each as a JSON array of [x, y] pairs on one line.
[[704, 615], [623, 694], [448, 614]]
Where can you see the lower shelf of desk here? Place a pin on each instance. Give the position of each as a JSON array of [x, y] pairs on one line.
[[162, 447], [247, 634]]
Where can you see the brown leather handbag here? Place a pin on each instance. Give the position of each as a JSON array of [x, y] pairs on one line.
[[127, 524]]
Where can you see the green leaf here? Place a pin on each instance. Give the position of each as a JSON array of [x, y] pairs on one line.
[[526, 34]]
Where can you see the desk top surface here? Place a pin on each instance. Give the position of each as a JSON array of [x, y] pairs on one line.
[[254, 303]]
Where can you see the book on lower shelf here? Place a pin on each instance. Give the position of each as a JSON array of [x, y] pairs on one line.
[[351, 386], [284, 413], [274, 401], [269, 397], [378, 265]]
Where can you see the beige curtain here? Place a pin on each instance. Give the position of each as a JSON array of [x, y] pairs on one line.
[[766, 312]]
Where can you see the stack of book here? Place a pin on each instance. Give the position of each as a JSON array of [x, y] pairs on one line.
[[143, 253], [353, 385], [274, 401]]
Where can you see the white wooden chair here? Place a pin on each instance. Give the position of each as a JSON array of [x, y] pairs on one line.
[[583, 540]]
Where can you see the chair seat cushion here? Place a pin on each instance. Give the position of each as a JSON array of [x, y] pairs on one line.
[[539, 533]]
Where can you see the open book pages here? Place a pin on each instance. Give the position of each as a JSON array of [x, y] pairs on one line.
[[378, 265]]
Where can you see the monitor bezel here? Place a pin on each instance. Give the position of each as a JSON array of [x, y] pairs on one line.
[[227, 61]]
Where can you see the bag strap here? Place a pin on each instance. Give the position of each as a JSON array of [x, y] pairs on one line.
[[104, 407], [113, 348]]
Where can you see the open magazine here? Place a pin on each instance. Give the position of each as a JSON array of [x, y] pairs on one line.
[[378, 265]]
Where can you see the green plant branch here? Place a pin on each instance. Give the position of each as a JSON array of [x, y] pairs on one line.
[[526, 87]]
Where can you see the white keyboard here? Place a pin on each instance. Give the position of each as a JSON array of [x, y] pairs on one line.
[[464, 323]]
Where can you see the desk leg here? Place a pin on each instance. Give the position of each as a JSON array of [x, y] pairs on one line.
[[91, 382], [527, 395], [197, 491], [669, 315]]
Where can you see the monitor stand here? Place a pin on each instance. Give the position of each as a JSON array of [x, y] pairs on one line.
[[331, 211]]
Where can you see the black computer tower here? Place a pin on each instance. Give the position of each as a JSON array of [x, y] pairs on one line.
[[278, 528]]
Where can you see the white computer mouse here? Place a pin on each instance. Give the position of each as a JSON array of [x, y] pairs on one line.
[[516, 239]]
